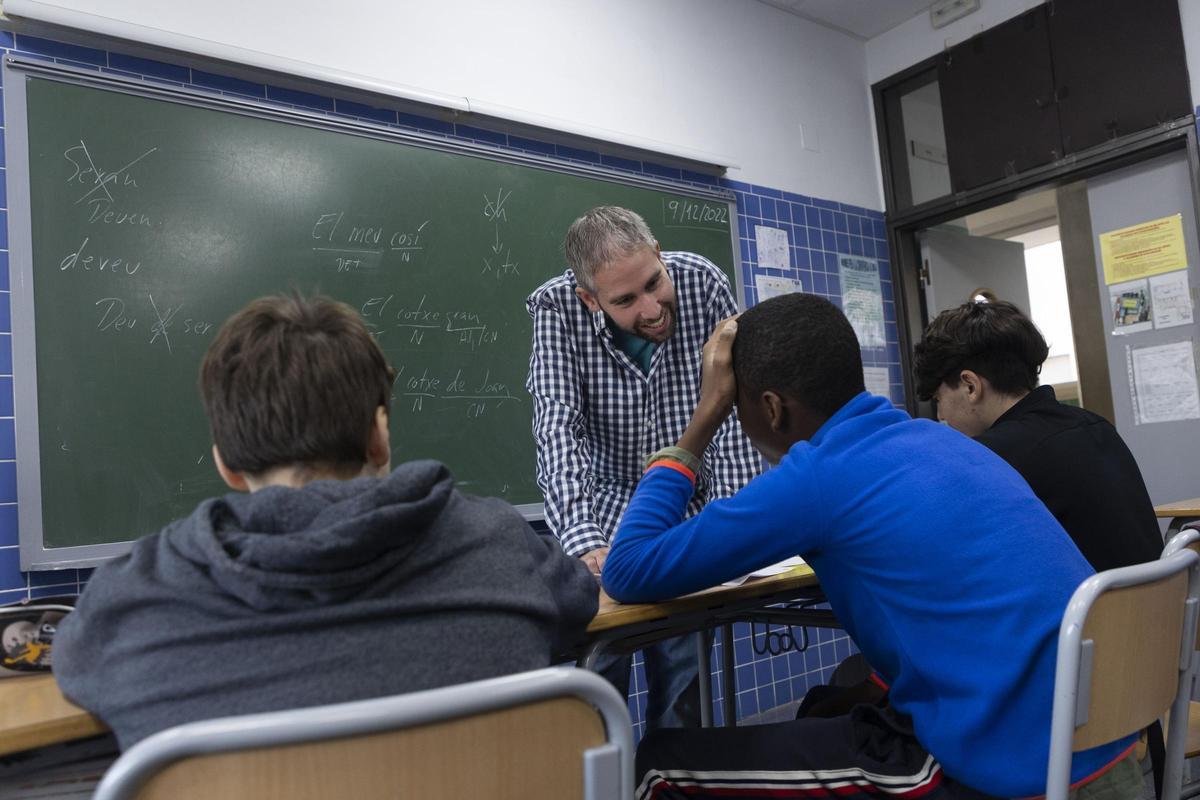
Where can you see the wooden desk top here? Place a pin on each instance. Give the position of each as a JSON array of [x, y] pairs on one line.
[[34, 713], [614, 615], [1180, 508]]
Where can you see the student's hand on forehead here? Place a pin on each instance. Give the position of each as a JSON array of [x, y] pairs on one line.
[[718, 386]]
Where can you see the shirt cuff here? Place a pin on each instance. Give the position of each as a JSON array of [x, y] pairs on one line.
[[581, 540]]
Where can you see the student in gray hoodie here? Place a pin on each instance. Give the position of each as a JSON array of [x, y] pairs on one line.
[[325, 576]]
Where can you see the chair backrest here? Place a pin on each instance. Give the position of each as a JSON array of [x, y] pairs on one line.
[[1124, 648], [1188, 538], [551, 733]]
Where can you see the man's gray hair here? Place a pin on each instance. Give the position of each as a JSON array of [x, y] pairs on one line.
[[601, 236]]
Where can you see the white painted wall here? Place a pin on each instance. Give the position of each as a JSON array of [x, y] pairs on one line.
[[731, 77]]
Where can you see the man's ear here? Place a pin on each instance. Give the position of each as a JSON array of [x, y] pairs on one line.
[[588, 298], [775, 410], [234, 480], [379, 444], [975, 385]]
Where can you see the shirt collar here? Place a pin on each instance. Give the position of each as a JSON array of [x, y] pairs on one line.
[[1041, 396]]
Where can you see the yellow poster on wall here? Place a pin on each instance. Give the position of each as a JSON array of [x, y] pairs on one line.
[[1140, 251]]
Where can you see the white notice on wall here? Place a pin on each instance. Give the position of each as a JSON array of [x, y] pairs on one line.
[[1164, 379], [862, 298], [878, 381], [772, 246], [1170, 299], [769, 286]]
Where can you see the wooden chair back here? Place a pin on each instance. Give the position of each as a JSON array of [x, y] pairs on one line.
[[552, 733]]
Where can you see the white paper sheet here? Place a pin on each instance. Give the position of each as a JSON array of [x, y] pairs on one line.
[[769, 286], [1171, 300], [878, 381], [772, 246], [862, 298], [766, 572], [1165, 383]]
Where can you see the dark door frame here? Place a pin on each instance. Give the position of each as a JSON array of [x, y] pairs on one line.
[[902, 226]]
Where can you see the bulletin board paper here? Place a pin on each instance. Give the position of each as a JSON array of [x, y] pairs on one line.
[[1142, 250], [769, 286], [1171, 299], [1164, 380], [1129, 307], [878, 381], [862, 298], [772, 246]]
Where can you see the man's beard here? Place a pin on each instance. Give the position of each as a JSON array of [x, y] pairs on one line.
[[661, 333]]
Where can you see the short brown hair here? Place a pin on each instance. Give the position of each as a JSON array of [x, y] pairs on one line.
[[995, 340], [293, 380]]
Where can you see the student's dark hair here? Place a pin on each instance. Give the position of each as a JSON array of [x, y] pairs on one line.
[[994, 340], [294, 380], [801, 345]]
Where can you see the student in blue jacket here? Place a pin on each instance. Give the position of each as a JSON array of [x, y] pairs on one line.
[[937, 558]]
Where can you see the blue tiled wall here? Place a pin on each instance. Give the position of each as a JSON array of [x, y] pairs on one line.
[[817, 231]]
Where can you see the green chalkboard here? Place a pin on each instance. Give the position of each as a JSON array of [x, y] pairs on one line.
[[151, 219]]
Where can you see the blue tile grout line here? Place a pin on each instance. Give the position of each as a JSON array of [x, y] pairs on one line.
[[817, 230]]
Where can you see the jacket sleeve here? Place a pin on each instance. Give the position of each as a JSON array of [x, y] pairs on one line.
[[564, 460], [730, 461], [573, 589], [657, 555]]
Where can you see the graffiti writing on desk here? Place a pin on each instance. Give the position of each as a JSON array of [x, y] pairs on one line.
[[354, 246], [116, 316], [416, 322], [100, 183], [475, 397], [684, 213]]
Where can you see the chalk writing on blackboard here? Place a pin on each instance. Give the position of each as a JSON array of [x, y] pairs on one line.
[[357, 245], [479, 395], [80, 259], [493, 208], [115, 315], [684, 213], [87, 173]]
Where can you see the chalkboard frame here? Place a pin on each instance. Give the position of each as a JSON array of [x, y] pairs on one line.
[[34, 554]]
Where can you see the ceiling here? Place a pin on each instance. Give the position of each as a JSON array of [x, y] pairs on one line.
[[863, 19]]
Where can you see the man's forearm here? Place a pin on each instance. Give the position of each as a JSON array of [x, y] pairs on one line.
[[705, 423]]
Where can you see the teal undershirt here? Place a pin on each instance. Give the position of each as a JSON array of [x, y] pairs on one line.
[[639, 350]]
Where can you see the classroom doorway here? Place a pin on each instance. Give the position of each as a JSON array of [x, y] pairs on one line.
[[1010, 252]]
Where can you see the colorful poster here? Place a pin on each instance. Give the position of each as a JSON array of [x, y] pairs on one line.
[[862, 298], [1129, 307], [1140, 251]]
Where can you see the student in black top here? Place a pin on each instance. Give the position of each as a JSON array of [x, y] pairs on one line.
[[980, 362]]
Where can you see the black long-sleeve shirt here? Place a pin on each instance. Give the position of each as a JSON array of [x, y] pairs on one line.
[[1078, 465]]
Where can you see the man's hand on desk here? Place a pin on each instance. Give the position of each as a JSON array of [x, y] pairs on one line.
[[595, 559]]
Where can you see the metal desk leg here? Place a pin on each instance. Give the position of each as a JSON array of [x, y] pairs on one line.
[[704, 671], [729, 682]]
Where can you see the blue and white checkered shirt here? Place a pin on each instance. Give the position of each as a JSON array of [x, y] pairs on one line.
[[596, 416]]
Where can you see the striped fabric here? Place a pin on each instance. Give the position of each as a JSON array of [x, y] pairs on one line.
[[754, 784], [597, 417]]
